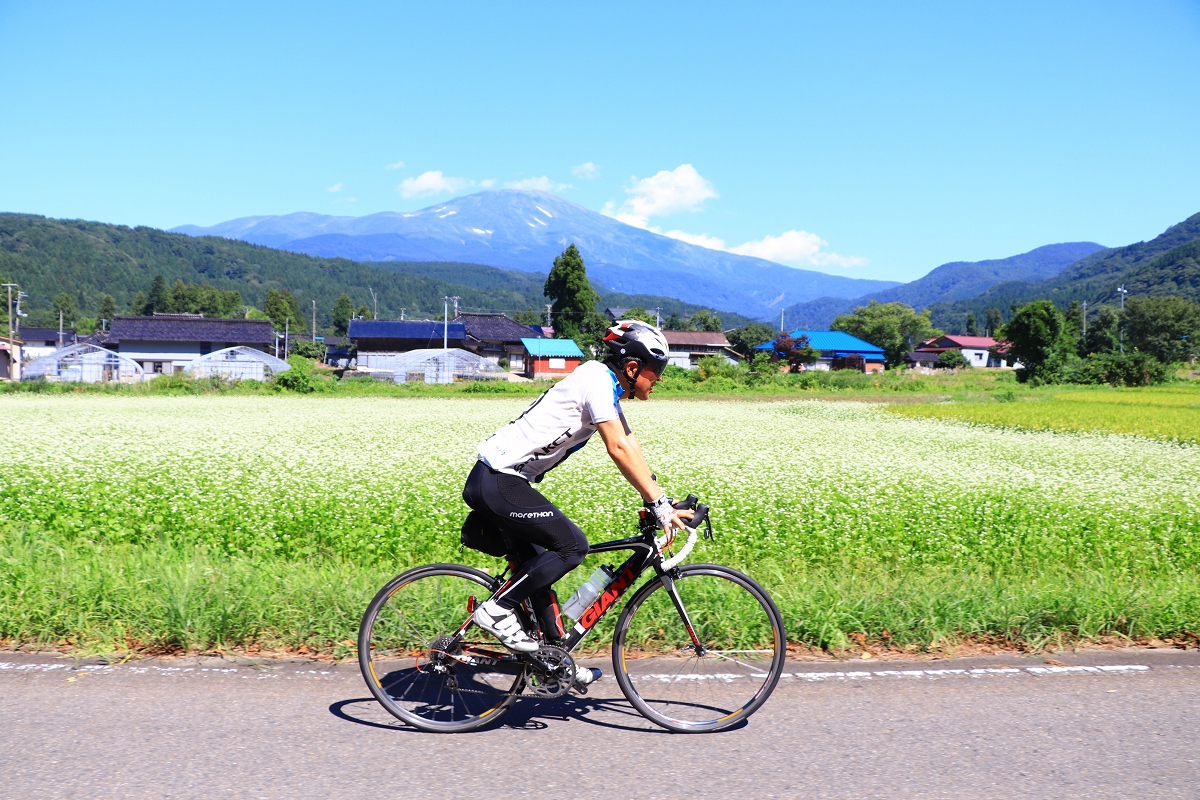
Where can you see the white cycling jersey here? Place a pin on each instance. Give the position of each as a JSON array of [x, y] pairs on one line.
[[557, 424]]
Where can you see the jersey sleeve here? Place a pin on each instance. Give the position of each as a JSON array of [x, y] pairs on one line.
[[600, 400]]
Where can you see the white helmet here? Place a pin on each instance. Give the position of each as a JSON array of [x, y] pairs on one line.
[[632, 338]]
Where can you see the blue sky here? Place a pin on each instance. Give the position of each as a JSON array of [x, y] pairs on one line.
[[869, 139]]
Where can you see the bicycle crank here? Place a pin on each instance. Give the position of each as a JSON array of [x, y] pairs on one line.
[[551, 672]]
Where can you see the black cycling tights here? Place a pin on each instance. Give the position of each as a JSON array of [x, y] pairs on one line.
[[510, 517]]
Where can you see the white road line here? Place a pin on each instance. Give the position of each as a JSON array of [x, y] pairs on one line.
[[984, 672], [268, 672]]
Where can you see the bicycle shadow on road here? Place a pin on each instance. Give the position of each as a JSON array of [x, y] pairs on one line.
[[525, 715]]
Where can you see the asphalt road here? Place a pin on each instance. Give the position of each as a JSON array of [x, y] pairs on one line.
[[993, 727]]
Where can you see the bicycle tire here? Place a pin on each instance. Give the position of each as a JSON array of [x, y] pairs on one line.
[[400, 625], [686, 689]]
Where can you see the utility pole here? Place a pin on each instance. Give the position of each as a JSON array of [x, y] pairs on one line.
[[1121, 329], [549, 306], [402, 314], [658, 317], [374, 301], [781, 311], [287, 321], [60, 318], [1085, 319], [314, 332], [446, 320], [14, 364]]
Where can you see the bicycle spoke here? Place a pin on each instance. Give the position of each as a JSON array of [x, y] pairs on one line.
[[709, 685], [449, 684]]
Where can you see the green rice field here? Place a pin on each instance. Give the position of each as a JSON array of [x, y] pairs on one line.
[[1169, 412], [150, 523]]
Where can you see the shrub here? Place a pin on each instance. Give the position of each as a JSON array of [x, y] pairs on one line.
[[953, 359], [299, 378], [1122, 369]]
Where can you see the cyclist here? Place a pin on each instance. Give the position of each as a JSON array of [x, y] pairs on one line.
[[507, 512]]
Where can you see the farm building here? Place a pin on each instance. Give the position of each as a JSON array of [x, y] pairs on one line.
[[688, 347], [167, 343], [381, 340], [337, 351], [10, 359], [550, 358], [976, 349], [42, 341], [495, 336], [839, 350]]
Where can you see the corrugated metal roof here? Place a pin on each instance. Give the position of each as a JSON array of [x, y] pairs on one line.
[[553, 348], [45, 334], [694, 338], [975, 342], [404, 329], [831, 340]]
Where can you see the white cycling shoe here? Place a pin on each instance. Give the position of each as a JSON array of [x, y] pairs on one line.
[[585, 676], [504, 625]]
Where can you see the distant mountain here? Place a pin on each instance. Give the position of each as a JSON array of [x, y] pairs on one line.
[[90, 259], [1166, 264], [949, 282], [526, 230]]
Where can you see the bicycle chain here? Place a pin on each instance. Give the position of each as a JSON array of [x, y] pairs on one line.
[[519, 695]]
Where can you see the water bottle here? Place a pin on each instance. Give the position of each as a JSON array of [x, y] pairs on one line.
[[586, 594]]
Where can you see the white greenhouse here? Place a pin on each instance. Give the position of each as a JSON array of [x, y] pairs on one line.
[[237, 364], [84, 363], [438, 366]]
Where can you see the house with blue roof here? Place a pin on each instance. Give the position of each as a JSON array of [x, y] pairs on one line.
[[839, 350], [550, 358]]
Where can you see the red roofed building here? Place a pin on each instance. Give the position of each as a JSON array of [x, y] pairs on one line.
[[976, 349]]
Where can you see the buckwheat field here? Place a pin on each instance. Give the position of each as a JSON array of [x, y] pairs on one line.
[[158, 523]]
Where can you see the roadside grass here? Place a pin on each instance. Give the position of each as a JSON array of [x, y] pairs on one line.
[[126, 599], [152, 523], [1168, 412]]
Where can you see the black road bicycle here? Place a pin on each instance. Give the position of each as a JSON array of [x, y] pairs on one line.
[[699, 648]]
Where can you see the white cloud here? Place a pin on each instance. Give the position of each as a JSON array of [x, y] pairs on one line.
[[684, 189], [702, 239], [397, 165], [587, 170], [538, 184], [797, 248], [429, 184], [487, 183], [337, 187], [665, 193]]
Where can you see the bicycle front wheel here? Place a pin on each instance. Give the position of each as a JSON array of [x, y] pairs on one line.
[[419, 661], [700, 652]]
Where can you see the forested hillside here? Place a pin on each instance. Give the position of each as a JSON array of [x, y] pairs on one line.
[[957, 280], [89, 259], [1166, 265]]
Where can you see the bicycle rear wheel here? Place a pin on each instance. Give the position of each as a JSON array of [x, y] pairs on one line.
[[709, 681], [418, 665]]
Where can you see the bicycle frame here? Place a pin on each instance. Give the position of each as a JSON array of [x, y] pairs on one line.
[[648, 554]]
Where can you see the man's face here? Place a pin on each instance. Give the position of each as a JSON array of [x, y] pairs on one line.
[[644, 385]]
